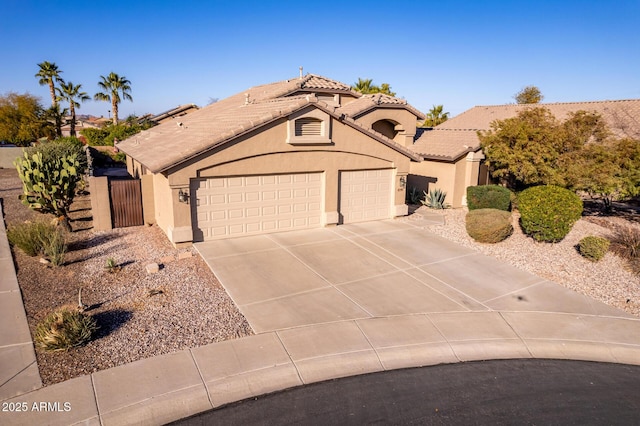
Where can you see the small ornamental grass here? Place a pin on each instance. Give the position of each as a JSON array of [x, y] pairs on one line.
[[547, 213], [489, 225], [626, 244], [40, 237], [64, 328], [593, 248]]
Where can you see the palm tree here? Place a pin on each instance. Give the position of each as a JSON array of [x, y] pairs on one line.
[[72, 94], [435, 116], [364, 86], [49, 73], [113, 87]]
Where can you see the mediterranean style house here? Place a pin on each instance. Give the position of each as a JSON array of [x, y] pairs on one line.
[[298, 154]]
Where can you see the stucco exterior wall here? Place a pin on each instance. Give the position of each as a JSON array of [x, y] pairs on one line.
[[451, 177], [8, 155], [267, 152], [163, 203], [406, 122]]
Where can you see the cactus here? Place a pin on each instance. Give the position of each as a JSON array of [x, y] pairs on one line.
[[48, 184]]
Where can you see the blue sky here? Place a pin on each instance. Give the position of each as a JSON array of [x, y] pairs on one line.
[[459, 54]]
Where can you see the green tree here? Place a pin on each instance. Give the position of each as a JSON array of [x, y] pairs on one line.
[[48, 75], [529, 95], [436, 116], [73, 95], [22, 119], [114, 89], [366, 87], [522, 151]]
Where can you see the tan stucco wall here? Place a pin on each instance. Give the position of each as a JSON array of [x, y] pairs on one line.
[[267, 152], [8, 154], [405, 119], [163, 203], [100, 203], [451, 177]]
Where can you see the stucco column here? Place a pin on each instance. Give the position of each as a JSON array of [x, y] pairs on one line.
[[472, 171], [181, 231], [400, 197]]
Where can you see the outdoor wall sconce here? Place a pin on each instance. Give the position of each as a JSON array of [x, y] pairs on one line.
[[403, 182], [183, 197]]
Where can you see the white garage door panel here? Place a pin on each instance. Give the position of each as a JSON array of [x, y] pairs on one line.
[[365, 195], [250, 205]]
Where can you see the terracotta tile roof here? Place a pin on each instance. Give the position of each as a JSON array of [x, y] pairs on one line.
[[458, 135], [174, 142], [368, 102]]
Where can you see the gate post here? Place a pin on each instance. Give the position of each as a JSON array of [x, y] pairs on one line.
[[100, 203]]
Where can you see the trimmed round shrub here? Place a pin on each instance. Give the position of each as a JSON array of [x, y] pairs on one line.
[[593, 248], [488, 197], [547, 213], [489, 225], [64, 328]]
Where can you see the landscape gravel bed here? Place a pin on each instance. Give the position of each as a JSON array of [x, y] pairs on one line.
[[609, 280], [140, 315]]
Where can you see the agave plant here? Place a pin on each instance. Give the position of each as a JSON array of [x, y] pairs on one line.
[[435, 199]]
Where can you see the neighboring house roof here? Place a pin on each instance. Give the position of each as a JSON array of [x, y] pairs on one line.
[[367, 103], [172, 113], [458, 135], [172, 143]]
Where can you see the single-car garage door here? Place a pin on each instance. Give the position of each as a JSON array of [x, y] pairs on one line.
[[365, 195], [249, 205]]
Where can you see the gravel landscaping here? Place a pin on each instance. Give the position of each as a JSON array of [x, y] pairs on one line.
[[140, 315], [609, 280]]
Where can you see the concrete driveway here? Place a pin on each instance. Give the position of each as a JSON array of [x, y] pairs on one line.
[[374, 269]]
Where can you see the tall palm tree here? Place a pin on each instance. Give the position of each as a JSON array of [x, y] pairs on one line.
[[72, 94], [113, 86], [48, 75], [436, 116]]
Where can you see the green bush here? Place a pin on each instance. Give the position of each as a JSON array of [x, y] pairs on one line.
[[489, 225], [64, 328], [593, 248], [547, 213], [414, 196], [59, 148], [29, 236], [488, 197]]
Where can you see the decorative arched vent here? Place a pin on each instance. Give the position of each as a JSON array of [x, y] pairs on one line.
[[308, 126]]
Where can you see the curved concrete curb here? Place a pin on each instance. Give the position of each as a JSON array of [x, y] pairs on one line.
[[166, 388]]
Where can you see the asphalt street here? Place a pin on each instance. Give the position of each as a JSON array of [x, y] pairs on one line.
[[521, 392]]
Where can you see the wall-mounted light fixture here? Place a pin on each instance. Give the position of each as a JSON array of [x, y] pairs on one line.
[[183, 197], [403, 182]]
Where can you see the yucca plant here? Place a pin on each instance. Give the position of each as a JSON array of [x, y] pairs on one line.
[[435, 199]]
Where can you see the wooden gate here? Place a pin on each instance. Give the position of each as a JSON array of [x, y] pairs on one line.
[[126, 203]]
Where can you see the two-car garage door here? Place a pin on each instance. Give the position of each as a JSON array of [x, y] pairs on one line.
[[249, 205]]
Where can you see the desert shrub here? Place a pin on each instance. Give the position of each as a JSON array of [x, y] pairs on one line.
[[64, 328], [29, 236], [593, 248], [488, 197], [54, 245], [435, 199], [626, 244], [547, 213], [59, 148], [489, 225]]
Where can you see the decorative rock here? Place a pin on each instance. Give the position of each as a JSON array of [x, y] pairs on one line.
[[44, 261], [185, 255], [152, 268]]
